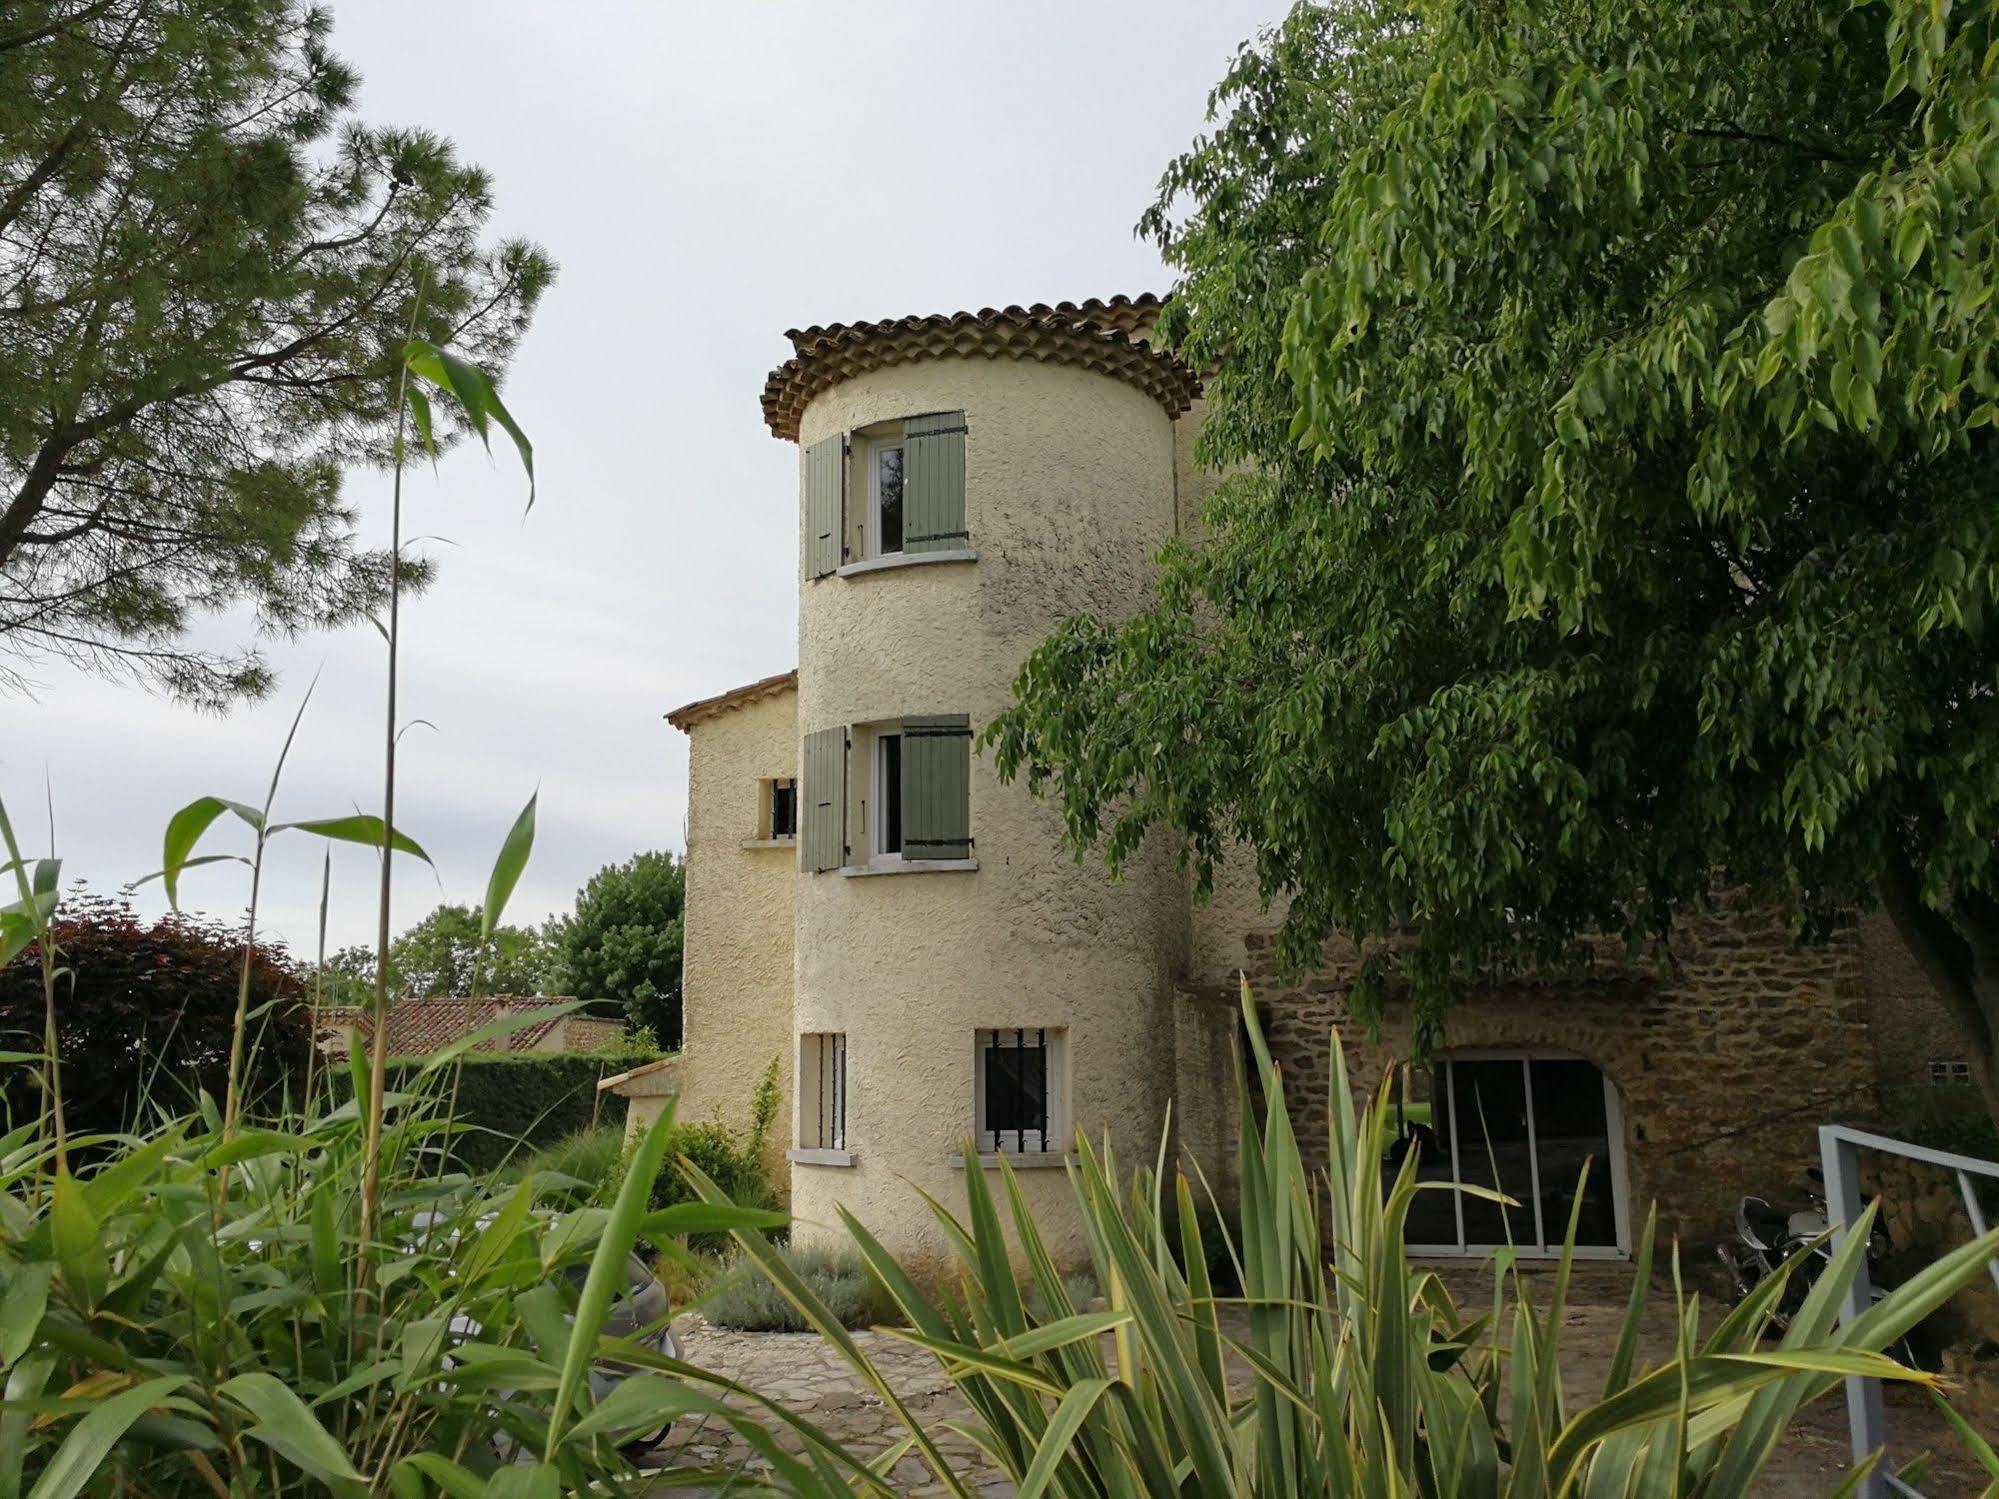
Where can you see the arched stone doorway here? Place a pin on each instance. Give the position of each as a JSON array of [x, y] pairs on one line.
[[1522, 1122]]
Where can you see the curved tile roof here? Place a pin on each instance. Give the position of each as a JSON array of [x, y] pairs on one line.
[[1110, 336]]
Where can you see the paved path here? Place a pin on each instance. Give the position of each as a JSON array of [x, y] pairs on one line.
[[804, 1374]]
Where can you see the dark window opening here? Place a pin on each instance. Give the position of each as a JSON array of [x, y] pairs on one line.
[[888, 499], [784, 809], [1016, 1085], [890, 811]]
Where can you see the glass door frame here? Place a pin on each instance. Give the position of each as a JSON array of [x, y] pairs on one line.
[[1548, 1243]]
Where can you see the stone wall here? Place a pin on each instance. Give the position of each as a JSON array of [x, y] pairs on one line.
[[1725, 1061], [1925, 1216]]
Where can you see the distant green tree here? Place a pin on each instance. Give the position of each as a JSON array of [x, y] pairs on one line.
[[441, 955], [1610, 390], [624, 942], [208, 268]]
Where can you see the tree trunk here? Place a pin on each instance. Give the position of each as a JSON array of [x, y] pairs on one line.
[[1959, 950]]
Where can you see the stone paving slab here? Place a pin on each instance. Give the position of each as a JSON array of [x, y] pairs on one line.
[[805, 1375]]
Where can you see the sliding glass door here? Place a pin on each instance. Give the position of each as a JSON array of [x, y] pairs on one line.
[[1522, 1126]]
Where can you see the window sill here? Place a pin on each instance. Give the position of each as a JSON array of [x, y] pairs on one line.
[[768, 843], [1033, 1160], [905, 559], [814, 1156], [909, 866]]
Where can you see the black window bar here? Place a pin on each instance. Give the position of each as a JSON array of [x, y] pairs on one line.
[[1017, 1101]]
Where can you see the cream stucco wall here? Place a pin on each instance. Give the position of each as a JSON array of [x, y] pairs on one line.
[[737, 969], [1070, 489]]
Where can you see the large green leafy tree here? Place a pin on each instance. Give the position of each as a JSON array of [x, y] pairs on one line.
[[624, 942], [1617, 383], [207, 267], [443, 955]]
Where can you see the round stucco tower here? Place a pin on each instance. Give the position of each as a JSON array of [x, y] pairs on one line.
[[983, 986]]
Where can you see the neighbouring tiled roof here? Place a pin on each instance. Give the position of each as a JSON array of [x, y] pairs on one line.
[[1109, 336], [688, 714], [418, 1027]]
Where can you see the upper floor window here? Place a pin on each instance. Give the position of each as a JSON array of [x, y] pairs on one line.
[[884, 524], [781, 808], [892, 490], [888, 793], [879, 795]]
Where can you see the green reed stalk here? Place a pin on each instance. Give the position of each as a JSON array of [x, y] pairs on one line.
[[378, 1048]]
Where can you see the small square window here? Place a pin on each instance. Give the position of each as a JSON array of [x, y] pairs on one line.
[[822, 1090], [1020, 1089], [1950, 1072], [783, 803]]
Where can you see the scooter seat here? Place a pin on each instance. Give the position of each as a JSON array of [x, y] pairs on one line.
[[1768, 1225]]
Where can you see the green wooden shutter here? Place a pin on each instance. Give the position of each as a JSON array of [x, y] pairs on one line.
[[933, 483], [822, 835], [825, 505], [937, 786]]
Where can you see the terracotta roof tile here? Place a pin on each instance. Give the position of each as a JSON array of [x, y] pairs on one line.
[[1109, 336], [418, 1027], [688, 714]]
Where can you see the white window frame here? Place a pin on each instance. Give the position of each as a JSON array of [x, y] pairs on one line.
[[1549, 1245], [871, 535], [1055, 1045], [877, 821]]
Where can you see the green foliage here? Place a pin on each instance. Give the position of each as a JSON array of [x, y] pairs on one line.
[[443, 953], [593, 1158], [763, 1108], [145, 1013], [745, 1297], [525, 1100], [1611, 389], [1357, 1374], [735, 1163], [211, 269], [197, 1316], [624, 942]]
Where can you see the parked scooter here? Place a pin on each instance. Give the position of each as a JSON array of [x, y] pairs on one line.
[[1766, 1236]]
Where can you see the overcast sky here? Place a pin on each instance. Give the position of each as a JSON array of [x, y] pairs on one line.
[[707, 176]]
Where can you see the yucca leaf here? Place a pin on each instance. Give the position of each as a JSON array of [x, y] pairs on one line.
[[606, 1279], [1073, 1409], [1981, 1450]]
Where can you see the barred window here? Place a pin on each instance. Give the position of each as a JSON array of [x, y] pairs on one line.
[[1950, 1072], [1020, 1090], [822, 1090]]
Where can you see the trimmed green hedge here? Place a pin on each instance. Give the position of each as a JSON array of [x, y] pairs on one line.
[[526, 1099]]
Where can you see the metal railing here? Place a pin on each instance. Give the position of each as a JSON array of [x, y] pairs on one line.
[[1839, 1154]]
